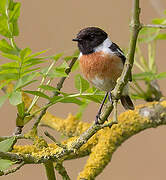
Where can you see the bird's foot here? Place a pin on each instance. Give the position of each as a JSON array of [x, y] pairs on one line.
[[115, 119], [98, 118]]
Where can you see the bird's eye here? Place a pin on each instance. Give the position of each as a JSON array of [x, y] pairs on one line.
[[92, 36]]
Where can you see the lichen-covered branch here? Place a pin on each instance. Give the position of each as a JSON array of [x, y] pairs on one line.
[[102, 144]]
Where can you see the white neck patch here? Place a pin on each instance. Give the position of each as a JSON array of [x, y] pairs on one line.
[[104, 47]]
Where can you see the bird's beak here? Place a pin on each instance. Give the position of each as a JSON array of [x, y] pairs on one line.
[[76, 39]]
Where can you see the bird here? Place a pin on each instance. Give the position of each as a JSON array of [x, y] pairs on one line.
[[102, 62]]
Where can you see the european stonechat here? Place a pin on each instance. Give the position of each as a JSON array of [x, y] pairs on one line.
[[102, 62]]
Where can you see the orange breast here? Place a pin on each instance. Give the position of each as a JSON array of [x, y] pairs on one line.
[[104, 66]]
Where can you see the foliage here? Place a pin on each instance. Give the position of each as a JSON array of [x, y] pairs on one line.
[[149, 74]]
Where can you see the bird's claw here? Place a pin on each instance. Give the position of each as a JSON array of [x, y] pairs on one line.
[[97, 118]]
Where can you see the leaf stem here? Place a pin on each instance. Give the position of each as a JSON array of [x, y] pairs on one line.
[[35, 99]]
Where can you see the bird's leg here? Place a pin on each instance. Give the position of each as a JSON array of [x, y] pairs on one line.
[[101, 106], [110, 97], [115, 119]]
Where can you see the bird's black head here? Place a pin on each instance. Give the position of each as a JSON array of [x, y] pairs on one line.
[[89, 38]]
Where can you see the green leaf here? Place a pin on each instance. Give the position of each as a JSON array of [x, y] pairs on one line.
[[151, 58], [25, 53], [148, 34], [71, 100], [161, 75], [4, 29], [159, 21], [38, 93], [8, 76], [3, 6], [57, 56], [75, 67], [15, 28], [48, 88], [81, 84], [29, 70], [5, 164], [10, 64], [67, 99], [36, 54], [5, 47], [11, 56], [90, 96], [7, 144], [26, 80], [3, 99], [21, 109], [32, 63], [57, 73], [135, 96], [4, 84], [144, 63], [161, 36], [63, 66], [146, 31], [144, 76], [15, 13], [15, 98]]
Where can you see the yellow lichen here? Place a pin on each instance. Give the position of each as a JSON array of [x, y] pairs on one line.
[[163, 103], [129, 123], [101, 146]]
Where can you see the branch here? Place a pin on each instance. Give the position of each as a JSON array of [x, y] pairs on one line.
[[150, 115], [160, 26], [62, 171], [49, 167], [55, 141], [12, 170], [102, 145]]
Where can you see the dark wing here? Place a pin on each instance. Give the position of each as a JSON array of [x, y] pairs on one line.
[[116, 50]]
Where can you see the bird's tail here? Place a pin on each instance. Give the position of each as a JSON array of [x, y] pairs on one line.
[[127, 102]]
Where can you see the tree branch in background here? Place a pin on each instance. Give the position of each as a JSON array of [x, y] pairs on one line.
[[154, 26]]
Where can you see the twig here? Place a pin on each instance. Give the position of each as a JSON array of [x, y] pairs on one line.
[[160, 26], [59, 86], [11, 156], [131, 123], [12, 170], [62, 171], [49, 167], [135, 28], [35, 99], [54, 140]]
